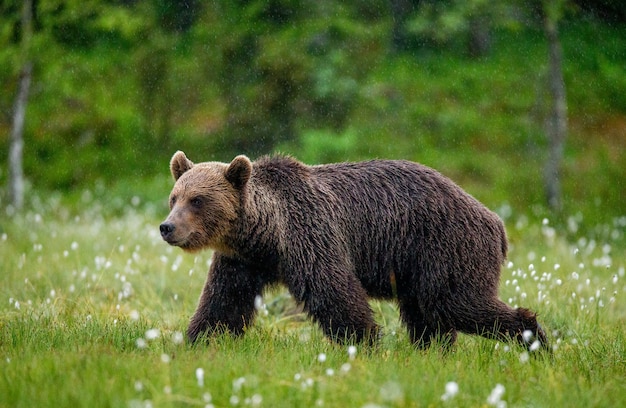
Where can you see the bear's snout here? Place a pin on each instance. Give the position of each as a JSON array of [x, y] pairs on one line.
[[167, 230]]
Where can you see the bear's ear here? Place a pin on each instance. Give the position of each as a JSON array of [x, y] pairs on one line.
[[179, 164], [238, 171]]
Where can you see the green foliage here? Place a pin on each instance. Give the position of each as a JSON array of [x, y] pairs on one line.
[[324, 146], [285, 68], [440, 22], [119, 86], [612, 77]]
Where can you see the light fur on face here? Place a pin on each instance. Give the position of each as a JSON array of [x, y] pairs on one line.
[[203, 205]]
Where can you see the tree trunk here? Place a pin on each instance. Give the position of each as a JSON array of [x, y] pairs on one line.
[[16, 174], [400, 12], [556, 123], [479, 43]]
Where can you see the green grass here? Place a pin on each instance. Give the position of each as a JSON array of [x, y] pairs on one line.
[[92, 308]]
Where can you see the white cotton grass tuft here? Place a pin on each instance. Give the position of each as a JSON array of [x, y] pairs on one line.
[[152, 334], [535, 346], [352, 352], [258, 303], [527, 335], [257, 399], [200, 376], [141, 343], [177, 337], [392, 391], [524, 357], [495, 398], [452, 388], [238, 384]]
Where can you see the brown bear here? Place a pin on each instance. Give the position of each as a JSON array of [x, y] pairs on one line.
[[338, 234]]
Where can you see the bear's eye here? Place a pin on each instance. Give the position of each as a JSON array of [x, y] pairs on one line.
[[196, 202], [172, 201]]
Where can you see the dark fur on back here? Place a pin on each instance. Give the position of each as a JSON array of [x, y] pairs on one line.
[[337, 235]]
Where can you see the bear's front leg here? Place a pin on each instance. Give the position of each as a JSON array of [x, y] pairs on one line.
[[227, 301], [339, 304]]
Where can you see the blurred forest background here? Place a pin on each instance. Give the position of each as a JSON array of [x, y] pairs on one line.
[[466, 86]]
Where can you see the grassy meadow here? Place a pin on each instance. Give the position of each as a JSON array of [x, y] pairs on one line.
[[94, 305], [93, 308]]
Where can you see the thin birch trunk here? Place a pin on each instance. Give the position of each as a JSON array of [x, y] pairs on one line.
[[556, 123], [16, 149], [16, 174]]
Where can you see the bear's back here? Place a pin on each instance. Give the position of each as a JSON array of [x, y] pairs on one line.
[[387, 215], [404, 206], [396, 187], [386, 193]]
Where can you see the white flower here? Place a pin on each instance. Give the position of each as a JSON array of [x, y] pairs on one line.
[[177, 337], [527, 335], [200, 376], [256, 400], [238, 383], [391, 391], [524, 356], [452, 388], [258, 303], [152, 334], [535, 346], [496, 395], [351, 352]]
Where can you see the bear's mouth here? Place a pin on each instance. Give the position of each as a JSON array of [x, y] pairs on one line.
[[176, 241], [189, 243]]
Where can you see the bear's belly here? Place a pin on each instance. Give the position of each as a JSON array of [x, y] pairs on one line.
[[379, 287]]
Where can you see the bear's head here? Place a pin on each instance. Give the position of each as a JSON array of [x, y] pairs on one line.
[[205, 202]]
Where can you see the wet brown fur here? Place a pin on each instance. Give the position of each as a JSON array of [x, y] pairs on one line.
[[337, 235]]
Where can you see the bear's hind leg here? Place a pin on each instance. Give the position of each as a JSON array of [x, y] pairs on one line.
[[421, 333], [497, 320]]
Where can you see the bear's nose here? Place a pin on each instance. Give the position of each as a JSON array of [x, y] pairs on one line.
[[167, 229]]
